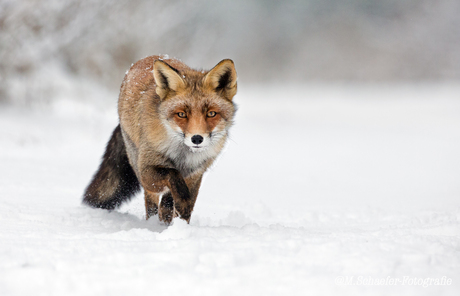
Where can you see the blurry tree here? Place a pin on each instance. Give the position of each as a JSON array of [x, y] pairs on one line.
[[47, 43]]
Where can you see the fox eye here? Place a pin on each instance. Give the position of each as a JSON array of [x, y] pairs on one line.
[[211, 114], [182, 115]]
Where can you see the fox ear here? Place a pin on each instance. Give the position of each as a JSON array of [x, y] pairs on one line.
[[222, 78], [167, 79]]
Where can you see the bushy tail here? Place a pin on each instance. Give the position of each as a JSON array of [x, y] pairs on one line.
[[115, 180]]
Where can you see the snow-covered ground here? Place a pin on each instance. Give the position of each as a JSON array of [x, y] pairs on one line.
[[322, 190]]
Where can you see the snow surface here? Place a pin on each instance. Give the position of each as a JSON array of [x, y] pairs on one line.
[[316, 184]]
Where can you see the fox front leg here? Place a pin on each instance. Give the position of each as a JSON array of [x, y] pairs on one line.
[[151, 203], [155, 179]]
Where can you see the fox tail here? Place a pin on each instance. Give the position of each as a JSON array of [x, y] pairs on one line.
[[115, 181]]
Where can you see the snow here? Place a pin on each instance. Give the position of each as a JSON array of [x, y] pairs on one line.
[[318, 185]]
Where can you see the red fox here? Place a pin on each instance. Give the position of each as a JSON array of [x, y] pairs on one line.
[[174, 121]]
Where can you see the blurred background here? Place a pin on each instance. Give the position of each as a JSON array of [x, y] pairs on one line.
[[52, 48]]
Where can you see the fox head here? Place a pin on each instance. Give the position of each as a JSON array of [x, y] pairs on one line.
[[196, 106]]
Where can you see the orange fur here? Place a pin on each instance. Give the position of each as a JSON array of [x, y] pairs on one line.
[[174, 122]]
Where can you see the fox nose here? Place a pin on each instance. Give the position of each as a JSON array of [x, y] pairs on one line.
[[197, 139]]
